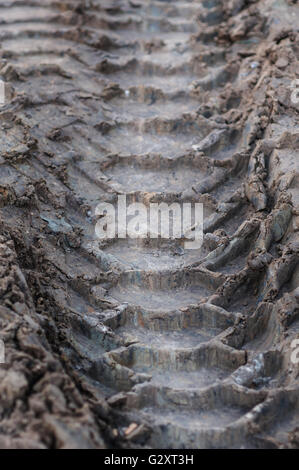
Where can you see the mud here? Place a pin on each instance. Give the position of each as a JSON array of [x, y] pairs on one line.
[[132, 344]]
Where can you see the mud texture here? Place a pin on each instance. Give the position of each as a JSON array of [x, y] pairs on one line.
[[142, 343]]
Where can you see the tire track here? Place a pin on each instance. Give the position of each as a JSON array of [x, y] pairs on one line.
[[126, 98]]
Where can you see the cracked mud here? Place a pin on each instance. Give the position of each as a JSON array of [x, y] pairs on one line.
[[141, 343]]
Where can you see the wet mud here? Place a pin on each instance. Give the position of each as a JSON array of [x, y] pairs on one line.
[[142, 343]]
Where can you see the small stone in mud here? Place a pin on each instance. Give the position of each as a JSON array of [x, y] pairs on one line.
[[282, 63]]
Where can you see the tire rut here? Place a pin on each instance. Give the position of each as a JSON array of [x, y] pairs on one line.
[[167, 102]]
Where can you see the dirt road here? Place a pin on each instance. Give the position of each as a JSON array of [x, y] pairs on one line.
[[142, 343]]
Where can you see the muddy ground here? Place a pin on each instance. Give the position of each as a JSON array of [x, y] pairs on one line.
[[142, 343]]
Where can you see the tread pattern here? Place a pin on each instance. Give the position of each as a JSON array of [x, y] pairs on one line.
[[163, 102]]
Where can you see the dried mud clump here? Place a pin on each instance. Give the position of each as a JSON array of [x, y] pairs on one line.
[[142, 343]]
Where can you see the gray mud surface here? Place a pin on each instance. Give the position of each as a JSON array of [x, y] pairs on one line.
[[132, 344]]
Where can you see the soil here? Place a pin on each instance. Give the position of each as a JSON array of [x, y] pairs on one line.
[[141, 343]]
